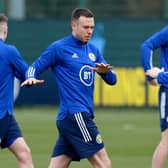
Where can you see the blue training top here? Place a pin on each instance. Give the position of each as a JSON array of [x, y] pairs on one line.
[[158, 40], [70, 61], [11, 64]]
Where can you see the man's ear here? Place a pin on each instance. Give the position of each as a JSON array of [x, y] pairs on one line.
[[73, 25]]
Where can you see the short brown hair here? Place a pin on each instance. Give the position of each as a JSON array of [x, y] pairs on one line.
[[77, 12], [3, 18]]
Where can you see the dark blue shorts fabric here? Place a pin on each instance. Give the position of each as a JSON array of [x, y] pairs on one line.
[[163, 107], [9, 131], [78, 137]]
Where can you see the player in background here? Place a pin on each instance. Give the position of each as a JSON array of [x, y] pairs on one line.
[[11, 65], [158, 76], [74, 62]]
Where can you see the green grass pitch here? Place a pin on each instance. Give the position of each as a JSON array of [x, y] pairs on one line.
[[130, 136]]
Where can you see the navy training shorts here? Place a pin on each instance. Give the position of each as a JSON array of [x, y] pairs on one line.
[[9, 131], [78, 137]]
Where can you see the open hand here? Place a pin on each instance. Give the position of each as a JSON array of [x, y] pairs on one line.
[[31, 81], [101, 68]]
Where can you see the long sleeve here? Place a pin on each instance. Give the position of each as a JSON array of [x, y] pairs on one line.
[[46, 60], [158, 40], [17, 62], [162, 77], [110, 78]]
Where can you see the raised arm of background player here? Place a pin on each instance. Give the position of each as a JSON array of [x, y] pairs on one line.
[[156, 41]]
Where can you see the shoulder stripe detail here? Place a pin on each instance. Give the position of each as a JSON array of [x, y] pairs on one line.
[[82, 126], [151, 56], [31, 72]]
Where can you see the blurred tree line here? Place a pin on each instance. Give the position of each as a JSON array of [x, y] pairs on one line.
[[101, 8]]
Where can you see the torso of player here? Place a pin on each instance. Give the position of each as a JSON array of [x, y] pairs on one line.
[[74, 78], [75, 65]]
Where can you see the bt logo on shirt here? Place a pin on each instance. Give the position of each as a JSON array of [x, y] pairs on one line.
[[86, 75]]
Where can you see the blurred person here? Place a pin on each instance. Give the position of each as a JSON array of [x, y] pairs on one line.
[[74, 62], [11, 65], [158, 76], [98, 38]]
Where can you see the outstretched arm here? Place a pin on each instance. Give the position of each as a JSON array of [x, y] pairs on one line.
[[45, 61], [31, 78]]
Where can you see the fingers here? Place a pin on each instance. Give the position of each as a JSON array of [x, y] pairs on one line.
[[151, 73], [103, 65], [154, 72], [31, 81], [101, 68], [93, 68]]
